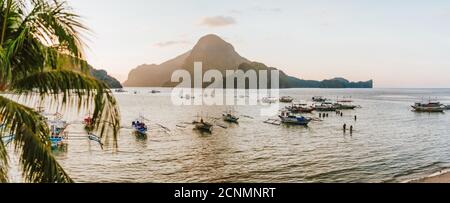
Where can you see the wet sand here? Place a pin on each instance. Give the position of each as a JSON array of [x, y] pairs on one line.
[[443, 178]]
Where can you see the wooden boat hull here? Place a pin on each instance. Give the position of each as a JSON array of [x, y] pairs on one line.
[[345, 107], [203, 128], [231, 120], [324, 109], [303, 110], [286, 100], [428, 110], [295, 121]]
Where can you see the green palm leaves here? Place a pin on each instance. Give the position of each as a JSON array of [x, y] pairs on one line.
[[41, 55]]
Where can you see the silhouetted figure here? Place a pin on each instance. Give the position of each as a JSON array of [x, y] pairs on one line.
[[320, 115], [345, 128], [342, 114], [356, 118], [351, 130]]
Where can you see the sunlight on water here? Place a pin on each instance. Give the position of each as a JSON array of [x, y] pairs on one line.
[[390, 143]]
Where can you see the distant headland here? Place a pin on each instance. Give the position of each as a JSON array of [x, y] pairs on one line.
[[217, 54]]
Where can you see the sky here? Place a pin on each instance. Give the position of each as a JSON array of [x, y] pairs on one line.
[[398, 44]]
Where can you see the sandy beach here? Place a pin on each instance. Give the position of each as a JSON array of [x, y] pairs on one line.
[[443, 178]]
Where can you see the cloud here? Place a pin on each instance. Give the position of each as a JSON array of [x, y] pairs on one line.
[[171, 43], [218, 21]]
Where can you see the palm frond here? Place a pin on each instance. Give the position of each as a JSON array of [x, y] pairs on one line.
[[41, 53], [4, 165], [70, 86], [32, 143]]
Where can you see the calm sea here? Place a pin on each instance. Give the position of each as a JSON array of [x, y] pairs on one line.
[[390, 143]]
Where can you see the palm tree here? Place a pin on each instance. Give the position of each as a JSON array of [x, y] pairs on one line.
[[41, 55]]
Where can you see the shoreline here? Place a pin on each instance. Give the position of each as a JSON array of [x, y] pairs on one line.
[[442, 176]]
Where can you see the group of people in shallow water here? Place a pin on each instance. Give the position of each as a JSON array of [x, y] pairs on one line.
[[340, 113], [351, 127]]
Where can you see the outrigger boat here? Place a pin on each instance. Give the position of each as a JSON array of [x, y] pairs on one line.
[[326, 106], [345, 100], [288, 118], [88, 123], [120, 90], [58, 133], [229, 117], [203, 126], [319, 99], [286, 99], [431, 107], [342, 106], [300, 108], [139, 126], [269, 100]]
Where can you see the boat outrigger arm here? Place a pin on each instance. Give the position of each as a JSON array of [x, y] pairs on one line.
[[95, 138]]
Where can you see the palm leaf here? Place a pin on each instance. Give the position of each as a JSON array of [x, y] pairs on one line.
[[69, 86], [32, 143], [39, 38], [3, 161]]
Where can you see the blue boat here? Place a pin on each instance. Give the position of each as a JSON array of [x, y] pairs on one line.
[[139, 127], [288, 118]]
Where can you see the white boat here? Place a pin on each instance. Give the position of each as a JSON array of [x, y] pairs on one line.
[[325, 106], [344, 106], [269, 100]]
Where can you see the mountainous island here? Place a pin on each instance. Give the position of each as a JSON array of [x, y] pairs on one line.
[[103, 76], [217, 54]]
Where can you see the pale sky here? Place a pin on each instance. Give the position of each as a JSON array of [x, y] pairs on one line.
[[398, 43]]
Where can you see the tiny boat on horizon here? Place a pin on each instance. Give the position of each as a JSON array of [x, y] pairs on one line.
[[291, 119]]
